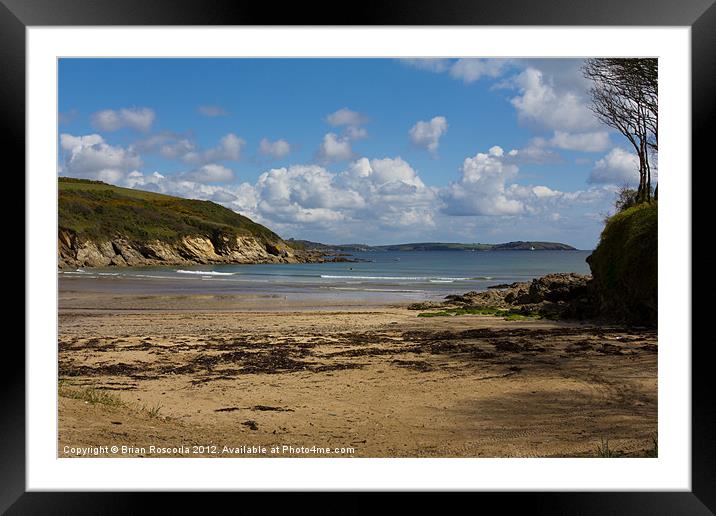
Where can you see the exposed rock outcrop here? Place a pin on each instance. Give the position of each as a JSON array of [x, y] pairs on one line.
[[75, 251], [555, 295]]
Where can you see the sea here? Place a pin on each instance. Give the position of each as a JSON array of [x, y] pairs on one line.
[[399, 275]]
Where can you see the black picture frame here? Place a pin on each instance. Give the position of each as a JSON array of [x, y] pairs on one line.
[[700, 15]]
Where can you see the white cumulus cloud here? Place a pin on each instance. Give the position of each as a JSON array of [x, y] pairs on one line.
[[467, 70], [140, 119], [470, 70], [353, 132], [381, 194], [488, 188], [183, 147], [346, 116], [535, 153], [170, 145], [481, 189], [544, 192], [275, 149], [210, 173], [540, 103], [595, 141], [335, 148], [427, 134], [351, 122], [230, 148], [90, 157], [618, 167]]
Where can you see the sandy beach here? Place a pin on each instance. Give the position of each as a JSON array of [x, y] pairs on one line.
[[224, 376]]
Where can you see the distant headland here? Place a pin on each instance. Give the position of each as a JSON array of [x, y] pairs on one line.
[[432, 246]]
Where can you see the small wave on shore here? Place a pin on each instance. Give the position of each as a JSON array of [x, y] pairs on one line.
[[206, 273]]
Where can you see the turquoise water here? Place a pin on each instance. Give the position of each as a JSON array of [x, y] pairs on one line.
[[399, 275]]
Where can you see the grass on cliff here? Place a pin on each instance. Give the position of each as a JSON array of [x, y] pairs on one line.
[[625, 263], [101, 212], [628, 242]]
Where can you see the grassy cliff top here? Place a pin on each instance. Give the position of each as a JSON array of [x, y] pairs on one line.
[[100, 211]]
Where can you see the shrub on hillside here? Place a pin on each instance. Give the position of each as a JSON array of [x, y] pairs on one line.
[[625, 265]]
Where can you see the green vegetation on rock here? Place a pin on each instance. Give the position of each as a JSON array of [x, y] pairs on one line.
[[625, 265]]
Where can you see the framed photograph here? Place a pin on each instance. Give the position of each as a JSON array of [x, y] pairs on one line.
[[271, 251]]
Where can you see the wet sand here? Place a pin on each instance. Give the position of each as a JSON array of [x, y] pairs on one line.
[[223, 375]]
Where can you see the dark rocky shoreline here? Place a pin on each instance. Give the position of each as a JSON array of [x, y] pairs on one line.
[[554, 296]]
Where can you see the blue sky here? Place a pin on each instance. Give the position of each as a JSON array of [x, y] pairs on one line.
[[353, 150]]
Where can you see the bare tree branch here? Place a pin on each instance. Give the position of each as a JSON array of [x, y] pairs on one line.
[[625, 96]]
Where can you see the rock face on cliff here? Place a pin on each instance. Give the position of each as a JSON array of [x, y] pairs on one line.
[[102, 225], [74, 251]]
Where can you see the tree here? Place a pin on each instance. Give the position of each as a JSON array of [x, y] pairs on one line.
[[626, 198], [625, 96]]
